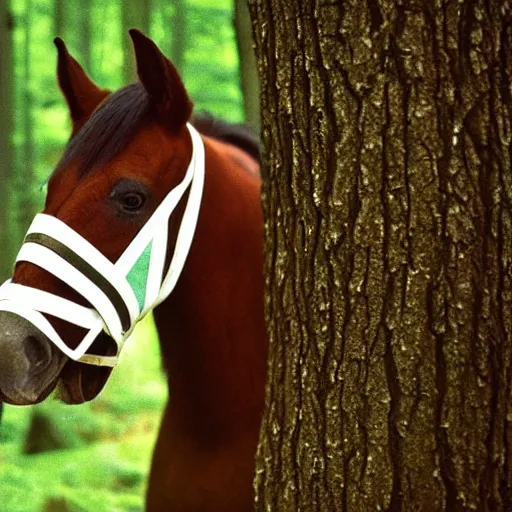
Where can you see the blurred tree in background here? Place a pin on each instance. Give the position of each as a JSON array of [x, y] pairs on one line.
[[95, 456], [6, 118], [249, 81], [134, 14]]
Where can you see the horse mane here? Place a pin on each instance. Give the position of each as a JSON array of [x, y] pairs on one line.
[[109, 130], [239, 134], [115, 123]]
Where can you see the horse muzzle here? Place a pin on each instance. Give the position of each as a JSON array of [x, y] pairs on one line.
[[30, 363]]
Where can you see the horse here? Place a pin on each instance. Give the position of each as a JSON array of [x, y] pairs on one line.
[[71, 303]]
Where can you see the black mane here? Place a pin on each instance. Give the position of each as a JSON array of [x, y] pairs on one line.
[[240, 135], [109, 130]]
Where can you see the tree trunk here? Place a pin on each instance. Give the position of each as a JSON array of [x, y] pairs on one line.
[[179, 34], [387, 203], [6, 131], [59, 18], [249, 80], [25, 179], [85, 34], [134, 15]]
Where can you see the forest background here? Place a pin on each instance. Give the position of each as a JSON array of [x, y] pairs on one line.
[[95, 457]]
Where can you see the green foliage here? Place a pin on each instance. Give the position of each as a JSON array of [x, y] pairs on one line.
[[109, 441]]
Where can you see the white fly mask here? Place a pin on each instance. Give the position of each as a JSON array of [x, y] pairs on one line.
[[121, 293]]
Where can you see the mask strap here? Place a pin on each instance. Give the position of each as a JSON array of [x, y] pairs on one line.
[[37, 319], [58, 249], [50, 304], [189, 221]]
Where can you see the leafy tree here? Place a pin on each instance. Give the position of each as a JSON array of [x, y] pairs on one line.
[[389, 246]]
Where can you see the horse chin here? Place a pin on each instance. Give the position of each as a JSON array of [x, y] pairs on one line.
[[81, 383], [68, 394], [24, 398]]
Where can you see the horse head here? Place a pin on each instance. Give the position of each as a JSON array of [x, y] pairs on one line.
[[79, 285]]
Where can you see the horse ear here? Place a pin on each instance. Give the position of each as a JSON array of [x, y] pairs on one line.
[[162, 82], [81, 93]]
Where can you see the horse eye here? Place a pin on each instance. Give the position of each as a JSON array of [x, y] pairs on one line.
[[133, 201]]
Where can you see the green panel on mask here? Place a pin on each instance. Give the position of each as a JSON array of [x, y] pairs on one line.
[[138, 275]]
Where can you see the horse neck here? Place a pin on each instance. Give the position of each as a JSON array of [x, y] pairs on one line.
[[211, 328]]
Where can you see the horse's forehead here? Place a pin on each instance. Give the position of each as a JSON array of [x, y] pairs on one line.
[[151, 141], [60, 187], [149, 146], [150, 149]]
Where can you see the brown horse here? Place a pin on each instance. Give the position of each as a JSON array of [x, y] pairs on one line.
[[127, 152]]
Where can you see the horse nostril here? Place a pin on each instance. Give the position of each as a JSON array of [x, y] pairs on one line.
[[36, 352]]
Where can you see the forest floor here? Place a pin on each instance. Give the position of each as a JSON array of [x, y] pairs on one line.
[[108, 442]]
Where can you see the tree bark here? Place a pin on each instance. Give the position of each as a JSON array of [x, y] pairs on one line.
[[249, 80], [387, 204], [6, 132]]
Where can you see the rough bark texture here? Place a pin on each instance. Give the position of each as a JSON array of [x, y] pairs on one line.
[[389, 251], [6, 128], [249, 80]]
